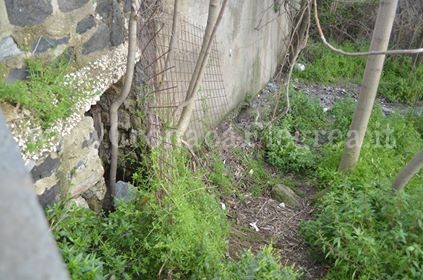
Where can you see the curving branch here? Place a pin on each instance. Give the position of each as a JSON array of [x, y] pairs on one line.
[[299, 37], [388, 52], [130, 64]]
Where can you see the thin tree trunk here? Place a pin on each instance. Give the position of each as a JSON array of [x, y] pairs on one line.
[[173, 35], [130, 64], [411, 169], [213, 21], [372, 73]]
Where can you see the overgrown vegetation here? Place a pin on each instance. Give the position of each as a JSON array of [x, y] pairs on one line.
[[45, 92], [402, 80], [363, 228], [176, 230]]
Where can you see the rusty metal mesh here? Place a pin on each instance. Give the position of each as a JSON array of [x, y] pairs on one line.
[[166, 88]]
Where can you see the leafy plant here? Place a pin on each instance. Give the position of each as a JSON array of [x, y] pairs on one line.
[[264, 265], [286, 154], [174, 228], [45, 92], [363, 229]]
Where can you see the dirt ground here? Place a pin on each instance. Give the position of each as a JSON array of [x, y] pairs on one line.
[[257, 221]]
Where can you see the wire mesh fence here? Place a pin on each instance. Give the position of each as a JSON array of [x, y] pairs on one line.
[[168, 74]]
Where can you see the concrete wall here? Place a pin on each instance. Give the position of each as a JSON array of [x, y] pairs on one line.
[[249, 57]]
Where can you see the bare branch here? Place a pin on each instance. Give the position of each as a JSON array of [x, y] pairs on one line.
[[389, 52]]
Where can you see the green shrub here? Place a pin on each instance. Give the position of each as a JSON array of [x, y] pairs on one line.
[[305, 117], [415, 117], [220, 176], [44, 93], [326, 66], [284, 153], [264, 265], [176, 229], [183, 231], [364, 229], [289, 142], [400, 81]]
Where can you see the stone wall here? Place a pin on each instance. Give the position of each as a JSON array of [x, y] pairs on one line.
[[95, 33], [47, 27]]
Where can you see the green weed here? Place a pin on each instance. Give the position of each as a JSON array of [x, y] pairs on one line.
[[44, 93], [401, 80], [174, 229], [363, 229]]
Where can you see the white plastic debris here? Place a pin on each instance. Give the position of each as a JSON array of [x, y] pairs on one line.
[[251, 172], [223, 205], [299, 66], [282, 205], [254, 226]]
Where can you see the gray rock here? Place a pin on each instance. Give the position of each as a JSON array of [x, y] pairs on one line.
[[125, 192], [100, 40], [70, 5], [79, 202], [117, 35], [44, 43], [49, 196], [95, 196], [28, 12], [104, 8], [8, 48], [85, 25], [82, 166], [46, 168], [111, 14], [17, 74], [284, 194]]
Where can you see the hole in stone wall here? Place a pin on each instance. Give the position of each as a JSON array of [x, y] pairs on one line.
[[134, 151]]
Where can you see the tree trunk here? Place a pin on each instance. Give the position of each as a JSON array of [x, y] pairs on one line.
[[372, 73], [130, 64], [175, 22], [213, 21], [411, 169]]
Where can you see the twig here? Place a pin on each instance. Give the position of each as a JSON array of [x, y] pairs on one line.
[[389, 52], [301, 42]]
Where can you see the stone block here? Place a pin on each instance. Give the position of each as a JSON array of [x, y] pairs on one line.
[[47, 168], [111, 14], [44, 43], [70, 5], [85, 24], [8, 48], [17, 74], [28, 12], [98, 41]]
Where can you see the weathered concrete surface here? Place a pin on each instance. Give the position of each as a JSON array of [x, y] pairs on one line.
[[249, 57], [27, 249]]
